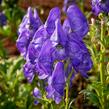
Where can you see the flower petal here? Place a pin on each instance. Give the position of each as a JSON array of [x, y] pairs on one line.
[[77, 20], [50, 22], [29, 71], [45, 62], [58, 78]]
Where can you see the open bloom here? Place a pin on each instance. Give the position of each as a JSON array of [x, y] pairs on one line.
[[99, 6]]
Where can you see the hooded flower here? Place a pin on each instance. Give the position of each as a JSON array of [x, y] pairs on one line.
[[77, 21], [99, 6], [27, 28], [79, 55], [59, 40], [3, 19], [56, 83], [35, 46], [50, 22]]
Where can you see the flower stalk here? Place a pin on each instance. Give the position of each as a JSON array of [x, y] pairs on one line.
[[102, 54], [102, 73], [67, 100]]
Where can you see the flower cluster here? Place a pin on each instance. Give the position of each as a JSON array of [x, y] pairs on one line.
[[99, 6], [52, 50]]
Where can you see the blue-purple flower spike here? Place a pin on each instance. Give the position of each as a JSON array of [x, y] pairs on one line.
[[99, 6], [77, 20], [51, 50]]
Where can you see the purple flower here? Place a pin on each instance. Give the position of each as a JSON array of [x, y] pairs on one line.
[[3, 19], [45, 62], [59, 40], [50, 22], [47, 47], [56, 83], [35, 46], [77, 21], [36, 94], [29, 71], [99, 6], [27, 28], [80, 57]]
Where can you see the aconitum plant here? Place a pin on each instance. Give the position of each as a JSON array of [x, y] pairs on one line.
[[54, 52], [99, 6]]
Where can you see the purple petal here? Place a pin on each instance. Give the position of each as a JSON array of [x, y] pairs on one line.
[[29, 71], [45, 60], [67, 3], [58, 78], [67, 27], [99, 6], [80, 57], [27, 28], [57, 97], [36, 93], [78, 21], [59, 40], [50, 23], [58, 35], [23, 42], [35, 46], [50, 91]]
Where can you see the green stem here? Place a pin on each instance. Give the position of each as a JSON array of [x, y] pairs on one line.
[[67, 100], [102, 76], [101, 55], [67, 90]]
